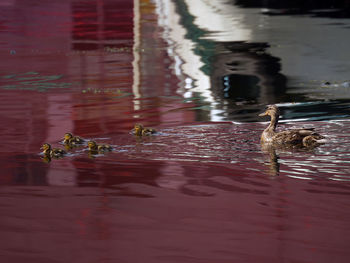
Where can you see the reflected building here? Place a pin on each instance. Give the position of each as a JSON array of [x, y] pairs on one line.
[[230, 75], [240, 60], [245, 76]]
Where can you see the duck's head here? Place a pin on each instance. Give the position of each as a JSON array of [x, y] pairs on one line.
[[272, 110], [310, 141], [138, 127], [68, 136], [92, 145], [46, 147]]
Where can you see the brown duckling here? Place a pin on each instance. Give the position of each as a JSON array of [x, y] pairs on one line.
[[314, 140], [52, 152], [99, 148], [300, 137], [139, 130], [69, 139]]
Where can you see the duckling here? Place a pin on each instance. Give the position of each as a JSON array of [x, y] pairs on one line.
[[98, 148], [314, 140], [139, 130], [69, 139], [298, 137], [52, 152]]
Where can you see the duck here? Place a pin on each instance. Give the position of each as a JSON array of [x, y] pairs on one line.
[[305, 137], [98, 148], [139, 130], [48, 151], [69, 139]]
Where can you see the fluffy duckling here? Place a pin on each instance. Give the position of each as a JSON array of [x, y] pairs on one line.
[[302, 137], [312, 141], [139, 130], [98, 148], [69, 139], [52, 152]]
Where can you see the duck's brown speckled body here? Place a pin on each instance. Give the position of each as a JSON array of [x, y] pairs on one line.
[[298, 137], [139, 130]]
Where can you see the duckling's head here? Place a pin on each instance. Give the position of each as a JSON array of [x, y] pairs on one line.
[[68, 136], [138, 128], [92, 145], [46, 147], [272, 110], [310, 141]]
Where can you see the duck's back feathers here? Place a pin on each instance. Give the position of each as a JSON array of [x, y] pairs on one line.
[[69, 139], [104, 148], [76, 140], [95, 148], [295, 136], [148, 131], [56, 153]]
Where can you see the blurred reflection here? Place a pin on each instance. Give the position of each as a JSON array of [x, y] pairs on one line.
[[230, 74], [244, 74], [273, 151], [272, 160], [234, 72], [46, 158]]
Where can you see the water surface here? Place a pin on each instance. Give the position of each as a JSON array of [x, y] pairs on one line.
[[202, 189]]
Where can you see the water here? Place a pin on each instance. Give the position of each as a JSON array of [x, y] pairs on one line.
[[202, 189]]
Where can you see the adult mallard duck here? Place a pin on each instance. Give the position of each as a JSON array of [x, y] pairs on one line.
[[298, 137], [98, 148], [69, 139], [52, 152], [139, 130]]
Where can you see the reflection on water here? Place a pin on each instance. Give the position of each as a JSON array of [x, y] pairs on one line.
[[202, 189], [240, 66]]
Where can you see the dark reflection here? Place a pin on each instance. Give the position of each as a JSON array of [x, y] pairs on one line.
[[272, 159], [247, 77], [272, 155], [23, 169], [317, 110], [46, 158], [323, 8], [244, 74]]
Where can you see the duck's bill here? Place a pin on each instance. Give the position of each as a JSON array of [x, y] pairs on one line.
[[262, 114]]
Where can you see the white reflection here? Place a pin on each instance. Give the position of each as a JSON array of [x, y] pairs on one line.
[[299, 177], [187, 65], [136, 54], [226, 20]]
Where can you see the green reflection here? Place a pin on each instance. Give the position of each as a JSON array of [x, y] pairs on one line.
[[34, 81]]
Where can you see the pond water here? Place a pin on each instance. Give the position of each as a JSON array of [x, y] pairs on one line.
[[200, 190]]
